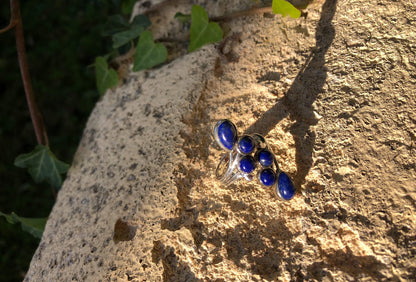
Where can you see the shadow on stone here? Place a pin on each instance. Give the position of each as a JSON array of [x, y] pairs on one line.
[[260, 247], [173, 268], [299, 99], [348, 263]]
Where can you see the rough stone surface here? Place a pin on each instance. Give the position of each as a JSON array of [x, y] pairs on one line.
[[334, 94]]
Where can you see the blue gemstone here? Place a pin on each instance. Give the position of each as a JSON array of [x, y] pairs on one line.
[[246, 145], [267, 177], [226, 134], [285, 187], [265, 158], [247, 164]]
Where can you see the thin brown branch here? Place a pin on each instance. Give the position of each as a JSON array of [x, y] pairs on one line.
[[11, 25], [37, 121]]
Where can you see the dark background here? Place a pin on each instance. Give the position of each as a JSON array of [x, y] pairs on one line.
[[62, 39]]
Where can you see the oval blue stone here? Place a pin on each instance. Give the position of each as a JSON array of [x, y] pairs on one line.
[[265, 158], [267, 177], [246, 145], [286, 189], [247, 164], [226, 134]]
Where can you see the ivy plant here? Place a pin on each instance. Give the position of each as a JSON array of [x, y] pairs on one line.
[[105, 77], [43, 165], [285, 8], [139, 24], [148, 53], [202, 31], [33, 226], [114, 24]]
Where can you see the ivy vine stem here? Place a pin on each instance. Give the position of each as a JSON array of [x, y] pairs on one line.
[[36, 116]]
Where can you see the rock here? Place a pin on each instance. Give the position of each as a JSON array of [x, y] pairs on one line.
[[354, 216]]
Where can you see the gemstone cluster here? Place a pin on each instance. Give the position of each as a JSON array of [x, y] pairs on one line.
[[248, 155]]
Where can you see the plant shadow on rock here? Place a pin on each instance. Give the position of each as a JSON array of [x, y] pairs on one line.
[[299, 99], [348, 263], [248, 241]]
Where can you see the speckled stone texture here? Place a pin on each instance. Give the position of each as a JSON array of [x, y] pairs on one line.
[[335, 96]]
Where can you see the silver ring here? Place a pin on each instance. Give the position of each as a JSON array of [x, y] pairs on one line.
[[227, 170], [247, 156]]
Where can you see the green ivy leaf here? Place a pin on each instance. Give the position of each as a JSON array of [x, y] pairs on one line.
[[148, 53], [127, 6], [124, 37], [34, 226], [141, 20], [105, 77], [114, 24], [285, 8], [43, 165], [139, 24], [183, 18], [202, 31]]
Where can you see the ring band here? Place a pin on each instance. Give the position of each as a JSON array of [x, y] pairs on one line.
[[247, 156], [227, 170]]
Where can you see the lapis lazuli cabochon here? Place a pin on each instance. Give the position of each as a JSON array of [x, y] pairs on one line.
[[247, 164], [267, 177], [265, 158], [227, 134], [285, 187], [246, 145]]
